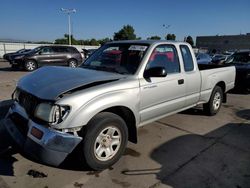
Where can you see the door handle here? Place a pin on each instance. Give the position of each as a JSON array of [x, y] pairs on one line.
[[181, 81]]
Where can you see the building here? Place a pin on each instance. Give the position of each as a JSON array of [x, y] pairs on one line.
[[223, 43]]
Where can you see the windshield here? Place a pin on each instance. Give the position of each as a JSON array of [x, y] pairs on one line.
[[123, 58], [20, 51], [36, 49]]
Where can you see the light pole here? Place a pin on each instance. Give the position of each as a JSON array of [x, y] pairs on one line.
[[69, 11], [166, 27]]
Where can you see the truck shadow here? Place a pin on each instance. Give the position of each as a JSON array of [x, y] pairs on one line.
[[194, 111], [239, 91], [220, 158], [244, 114], [9, 69], [6, 163]]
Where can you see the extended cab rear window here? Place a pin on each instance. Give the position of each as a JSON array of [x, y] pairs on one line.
[[187, 58]]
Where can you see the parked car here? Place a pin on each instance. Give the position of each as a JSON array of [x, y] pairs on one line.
[[7, 56], [87, 52], [47, 55], [121, 87], [219, 59], [241, 60], [203, 58]]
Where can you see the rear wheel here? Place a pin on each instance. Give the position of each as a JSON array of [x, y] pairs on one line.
[[72, 63], [105, 140], [30, 65], [213, 106]]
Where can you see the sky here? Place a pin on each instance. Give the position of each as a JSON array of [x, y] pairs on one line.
[[36, 20]]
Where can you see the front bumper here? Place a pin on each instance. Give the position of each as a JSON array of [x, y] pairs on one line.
[[18, 62], [51, 148]]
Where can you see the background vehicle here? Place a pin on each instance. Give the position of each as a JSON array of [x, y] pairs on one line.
[[121, 87], [203, 58], [9, 56], [241, 60], [87, 52], [219, 59], [47, 55]]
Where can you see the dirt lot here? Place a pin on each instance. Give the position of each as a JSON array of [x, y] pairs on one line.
[[188, 149]]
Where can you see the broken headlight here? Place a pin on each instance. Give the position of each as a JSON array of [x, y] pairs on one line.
[[15, 95], [50, 113]]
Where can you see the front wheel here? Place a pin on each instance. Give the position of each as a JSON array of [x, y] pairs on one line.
[[213, 106], [72, 63], [105, 140], [30, 65]]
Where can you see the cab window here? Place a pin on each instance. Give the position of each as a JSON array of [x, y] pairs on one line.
[[165, 56], [187, 58], [46, 50]]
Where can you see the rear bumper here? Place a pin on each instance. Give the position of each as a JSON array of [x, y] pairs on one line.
[[51, 148]]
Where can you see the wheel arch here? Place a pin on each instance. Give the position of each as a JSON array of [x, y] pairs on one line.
[[30, 59], [128, 116], [222, 85], [72, 58]]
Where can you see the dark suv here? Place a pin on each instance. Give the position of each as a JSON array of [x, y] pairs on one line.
[[47, 55], [241, 61]]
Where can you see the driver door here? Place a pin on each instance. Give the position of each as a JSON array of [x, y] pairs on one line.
[[162, 95], [45, 56]]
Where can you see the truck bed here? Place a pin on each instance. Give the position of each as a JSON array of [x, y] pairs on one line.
[[213, 74], [210, 66]]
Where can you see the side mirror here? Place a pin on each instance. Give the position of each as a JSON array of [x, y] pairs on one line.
[[155, 72], [39, 53]]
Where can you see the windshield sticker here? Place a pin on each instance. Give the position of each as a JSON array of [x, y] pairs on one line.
[[137, 48]]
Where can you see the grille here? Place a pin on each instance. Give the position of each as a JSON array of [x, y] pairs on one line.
[[28, 102]]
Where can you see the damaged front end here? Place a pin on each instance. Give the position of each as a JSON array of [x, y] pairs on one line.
[[29, 122]]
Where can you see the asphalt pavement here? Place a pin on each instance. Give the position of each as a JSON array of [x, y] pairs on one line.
[[188, 149]]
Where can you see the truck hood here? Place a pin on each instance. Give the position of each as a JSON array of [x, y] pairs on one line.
[[50, 82]]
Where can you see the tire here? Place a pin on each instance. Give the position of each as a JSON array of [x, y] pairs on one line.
[[72, 63], [213, 106], [105, 140], [30, 65]]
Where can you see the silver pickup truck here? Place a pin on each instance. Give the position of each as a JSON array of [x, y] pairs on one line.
[[100, 105]]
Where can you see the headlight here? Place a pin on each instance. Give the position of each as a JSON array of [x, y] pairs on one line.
[[52, 114]]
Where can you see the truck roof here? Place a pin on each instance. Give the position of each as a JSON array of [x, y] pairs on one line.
[[149, 42]]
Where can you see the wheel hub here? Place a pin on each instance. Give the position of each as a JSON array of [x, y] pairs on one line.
[[106, 141], [217, 101]]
